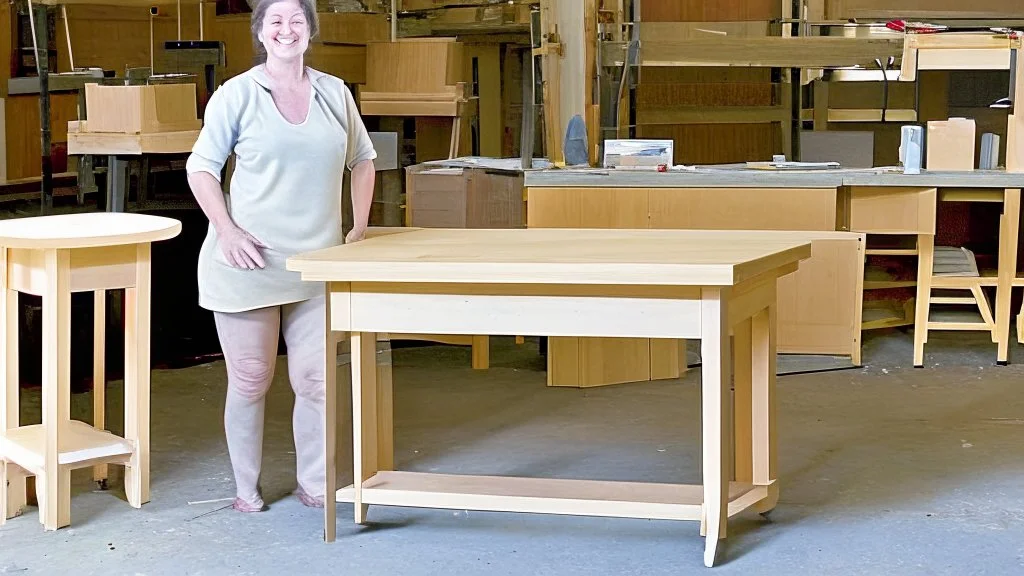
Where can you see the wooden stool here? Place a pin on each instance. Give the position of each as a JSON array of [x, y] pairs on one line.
[[51, 257]]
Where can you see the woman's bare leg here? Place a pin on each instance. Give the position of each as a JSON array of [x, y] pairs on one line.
[[249, 342]]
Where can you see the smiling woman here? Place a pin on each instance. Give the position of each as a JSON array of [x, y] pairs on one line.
[[293, 130], [277, 25]]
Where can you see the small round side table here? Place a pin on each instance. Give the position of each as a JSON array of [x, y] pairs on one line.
[[51, 257]]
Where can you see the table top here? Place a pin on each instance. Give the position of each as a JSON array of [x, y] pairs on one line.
[[86, 230], [729, 176], [557, 256]]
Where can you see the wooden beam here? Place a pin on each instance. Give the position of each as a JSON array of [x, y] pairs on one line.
[[568, 65], [771, 51]]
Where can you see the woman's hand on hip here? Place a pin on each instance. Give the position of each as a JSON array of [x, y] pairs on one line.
[[241, 249]]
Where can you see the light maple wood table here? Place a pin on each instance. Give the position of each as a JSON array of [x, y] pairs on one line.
[[624, 283], [51, 257]]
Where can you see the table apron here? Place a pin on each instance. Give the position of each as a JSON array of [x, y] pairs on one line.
[[418, 309]]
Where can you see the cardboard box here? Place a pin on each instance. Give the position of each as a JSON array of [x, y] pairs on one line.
[[439, 197], [949, 145]]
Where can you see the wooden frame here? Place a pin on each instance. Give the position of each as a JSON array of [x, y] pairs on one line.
[[544, 294]]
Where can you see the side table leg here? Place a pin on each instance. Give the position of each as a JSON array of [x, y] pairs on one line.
[[765, 435], [13, 488], [99, 375], [136, 379], [364, 415], [716, 363], [55, 495]]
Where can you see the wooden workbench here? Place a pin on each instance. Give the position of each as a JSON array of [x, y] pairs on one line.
[[119, 148], [820, 307], [630, 283]]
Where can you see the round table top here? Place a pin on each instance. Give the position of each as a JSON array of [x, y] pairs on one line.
[[86, 230]]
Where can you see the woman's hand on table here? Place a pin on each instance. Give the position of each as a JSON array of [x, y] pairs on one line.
[[241, 249]]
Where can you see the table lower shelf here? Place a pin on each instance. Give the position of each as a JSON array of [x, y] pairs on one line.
[[546, 496], [79, 445]]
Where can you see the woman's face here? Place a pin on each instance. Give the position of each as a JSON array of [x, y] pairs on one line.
[[285, 32]]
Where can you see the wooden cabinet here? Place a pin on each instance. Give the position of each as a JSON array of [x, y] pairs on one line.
[[819, 305]]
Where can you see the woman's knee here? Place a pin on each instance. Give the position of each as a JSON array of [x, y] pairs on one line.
[[250, 376], [307, 379]]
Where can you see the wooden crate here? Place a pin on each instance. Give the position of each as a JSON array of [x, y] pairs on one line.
[[463, 198], [141, 109]]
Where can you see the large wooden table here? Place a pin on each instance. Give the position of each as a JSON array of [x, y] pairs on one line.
[[638, 283]]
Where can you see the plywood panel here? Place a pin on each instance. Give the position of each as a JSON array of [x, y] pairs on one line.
[[488, 62], [661, 95], [843, 9], [614, 360], [554, 208], [743, 208], [21, 115], [6, 45], [718, 143], [416, 66], [345, 62], [893, 210], [233, 31], [116, 37], [817, 303], [709, 11], [614, 208]]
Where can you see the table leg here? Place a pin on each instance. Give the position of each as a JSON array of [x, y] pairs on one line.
[[99, 375], [330, 428], [385, 413], [12, 484], [55, 492], [117, 183], [136, 379], [765, 435], [481, 352], [1007, 270], [925, 255], [742, 403], [363, 347], [715, 368]]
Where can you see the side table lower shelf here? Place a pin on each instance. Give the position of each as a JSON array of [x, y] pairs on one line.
[[80, 446]]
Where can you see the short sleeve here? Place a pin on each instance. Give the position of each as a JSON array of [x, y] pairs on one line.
[[360, 147], [218, 136]]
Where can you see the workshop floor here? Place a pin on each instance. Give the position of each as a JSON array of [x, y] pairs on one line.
[[884, 470]]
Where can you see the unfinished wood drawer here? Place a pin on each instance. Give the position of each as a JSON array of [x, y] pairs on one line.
[[892, 210]]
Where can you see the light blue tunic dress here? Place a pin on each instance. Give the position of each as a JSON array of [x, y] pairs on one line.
[[285, 188]]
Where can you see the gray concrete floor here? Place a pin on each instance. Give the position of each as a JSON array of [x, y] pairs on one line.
[[884, 470]]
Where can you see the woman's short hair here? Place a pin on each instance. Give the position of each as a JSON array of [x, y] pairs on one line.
[[259, 11]]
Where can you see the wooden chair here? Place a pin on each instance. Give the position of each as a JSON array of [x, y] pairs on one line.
[[53, 256]]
